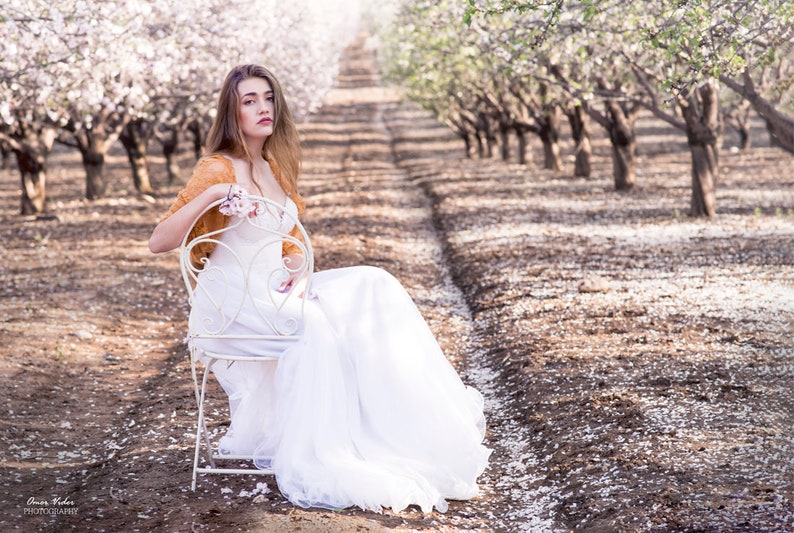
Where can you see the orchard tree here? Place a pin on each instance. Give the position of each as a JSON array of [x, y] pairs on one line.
[[31, 47], [736, 114]]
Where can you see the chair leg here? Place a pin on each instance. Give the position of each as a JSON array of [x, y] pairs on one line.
[[207, 441], [201, 426], [198, 422], [195, 462]]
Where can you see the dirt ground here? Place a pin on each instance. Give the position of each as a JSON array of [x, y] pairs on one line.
[[637, 364]]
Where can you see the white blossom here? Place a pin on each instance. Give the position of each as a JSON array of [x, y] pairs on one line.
[[74, 59]]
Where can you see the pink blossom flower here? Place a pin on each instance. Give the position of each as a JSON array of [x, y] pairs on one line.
[[237, 203]]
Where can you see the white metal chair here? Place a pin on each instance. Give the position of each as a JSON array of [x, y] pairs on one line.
[[216, 279]]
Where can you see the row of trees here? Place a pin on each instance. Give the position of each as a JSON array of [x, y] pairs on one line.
[[88, 73], [496, 70]]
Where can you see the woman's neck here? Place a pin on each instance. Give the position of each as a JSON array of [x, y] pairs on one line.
[[255, 149]]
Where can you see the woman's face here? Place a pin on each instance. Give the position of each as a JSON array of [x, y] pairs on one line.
[[257, 108]]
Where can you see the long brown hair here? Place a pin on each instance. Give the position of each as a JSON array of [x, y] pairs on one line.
[[226, 136]]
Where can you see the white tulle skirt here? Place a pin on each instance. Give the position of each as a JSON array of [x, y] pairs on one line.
[[365, 410]]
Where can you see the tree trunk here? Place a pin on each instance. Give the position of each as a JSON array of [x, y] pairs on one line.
[[94, 164], [491, 140], [780, 127], [33, 171], [93, 139], [170, 142], [480, 144], [700, 109], [504, 141], [32, 147], [744, 136], [92, 146], [5, 153], [468, 147], [524, 156], [738, 117], [94, 142], [197, 133], [577, 117], [704, 174], [134, 139], [774, 136], [459, 125], [550, 137], [624, 146], [490, 144]]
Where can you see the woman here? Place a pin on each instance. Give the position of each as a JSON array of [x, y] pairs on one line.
[[365, 410]]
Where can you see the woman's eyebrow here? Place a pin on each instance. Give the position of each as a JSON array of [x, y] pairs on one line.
[[253, 93]]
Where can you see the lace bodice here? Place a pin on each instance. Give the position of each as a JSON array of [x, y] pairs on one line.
[[255, 243], [245, 273]]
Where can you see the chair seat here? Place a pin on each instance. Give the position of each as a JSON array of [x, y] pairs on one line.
[[271, 349]]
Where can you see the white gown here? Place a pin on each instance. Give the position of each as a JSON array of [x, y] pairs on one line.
[[365, 410]]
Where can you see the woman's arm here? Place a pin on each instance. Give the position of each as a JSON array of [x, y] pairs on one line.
[[168, 234]]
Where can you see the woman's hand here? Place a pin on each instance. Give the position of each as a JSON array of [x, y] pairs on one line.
[[297, 276]]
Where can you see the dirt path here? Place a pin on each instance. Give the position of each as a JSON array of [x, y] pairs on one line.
[[636, 364]]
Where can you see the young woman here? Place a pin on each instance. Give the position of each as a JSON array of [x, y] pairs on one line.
[[365, 411]]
